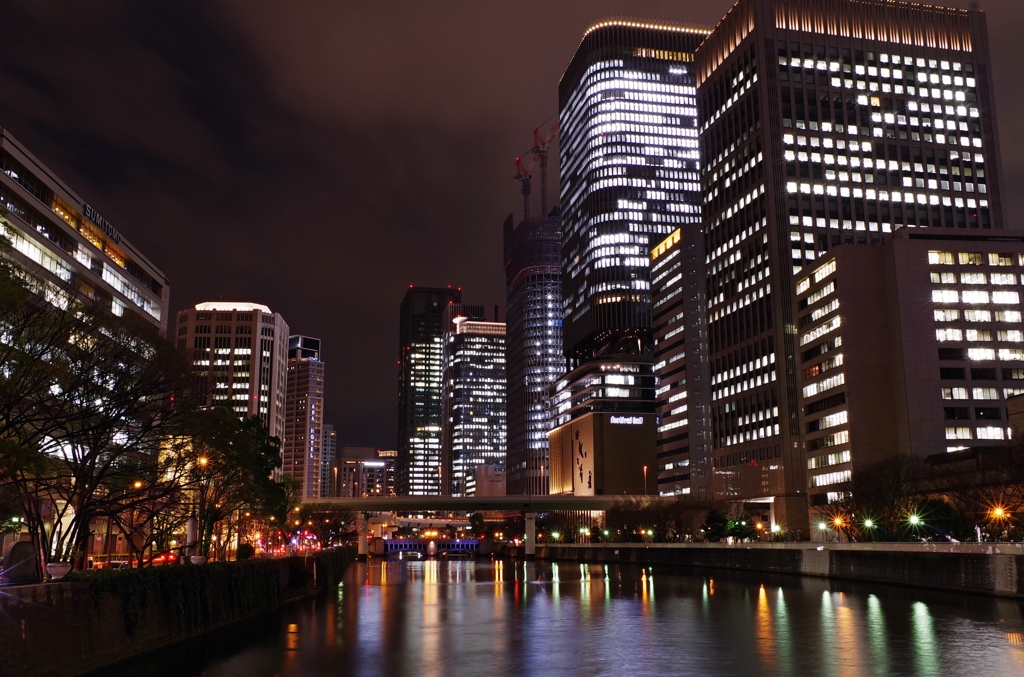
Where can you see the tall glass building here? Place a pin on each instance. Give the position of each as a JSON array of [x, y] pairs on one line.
[[302, 447], [629, 177], [420, 343], [473, 376], [533, 279], [823, 123]]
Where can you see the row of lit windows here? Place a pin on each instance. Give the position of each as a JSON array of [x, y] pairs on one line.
[[975, 296], [974, 315]]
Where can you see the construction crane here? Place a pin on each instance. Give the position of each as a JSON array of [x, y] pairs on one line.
[[523, 178], [541, 146]]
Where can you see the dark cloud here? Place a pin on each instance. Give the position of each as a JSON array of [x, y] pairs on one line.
[[319, 157]]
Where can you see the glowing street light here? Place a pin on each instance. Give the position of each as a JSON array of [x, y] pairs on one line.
[[869, 523], [998, 513], [914, 520], [822, 526], [555, 535], [776, 528]]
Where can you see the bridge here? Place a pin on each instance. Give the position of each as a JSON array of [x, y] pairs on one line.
[[429, 546], [528, 505]]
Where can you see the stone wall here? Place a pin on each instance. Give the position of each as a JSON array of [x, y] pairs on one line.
[[70, 628], [985, 569]]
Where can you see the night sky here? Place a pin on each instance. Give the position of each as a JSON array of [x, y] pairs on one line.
[[319, 157]]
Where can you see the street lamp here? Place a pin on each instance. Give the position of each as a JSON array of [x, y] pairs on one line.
[[645, 480]]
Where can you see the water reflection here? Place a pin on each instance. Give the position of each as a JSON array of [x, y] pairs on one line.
[[516, 618]]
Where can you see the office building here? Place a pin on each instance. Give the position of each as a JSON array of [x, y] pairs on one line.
[[629, 177], [302, 451], [62, 241], [328, 452], [907, 348], [681, 365], [533, 287], [490, 480], [240, 351], [473, 394], [823, 122], [390, 478], [603, 435], [419, 389], [363, 472]]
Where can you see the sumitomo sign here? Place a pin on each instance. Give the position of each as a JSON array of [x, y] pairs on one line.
[[626, 420], [102, 223]]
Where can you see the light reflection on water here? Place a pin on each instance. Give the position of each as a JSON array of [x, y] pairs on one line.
[[515, 618]]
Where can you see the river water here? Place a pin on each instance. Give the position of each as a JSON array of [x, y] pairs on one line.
[[451, 618]]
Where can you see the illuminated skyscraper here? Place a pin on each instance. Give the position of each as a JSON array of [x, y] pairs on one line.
[[629, 177], [302, 451], [681, 364], [823, 122], [419, 389], [534, 360], [473, 375]]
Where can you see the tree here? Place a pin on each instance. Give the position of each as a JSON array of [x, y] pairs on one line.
[[84, 398], [716, 526], [231, 462], [329, 524]]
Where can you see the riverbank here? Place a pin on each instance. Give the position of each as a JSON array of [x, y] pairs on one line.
[[989, 569], [103, 618]]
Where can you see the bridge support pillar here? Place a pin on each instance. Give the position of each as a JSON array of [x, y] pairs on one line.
[[531, 536], [363, 527]]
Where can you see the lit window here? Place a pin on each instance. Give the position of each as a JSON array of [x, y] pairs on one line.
[[990, 433], [1010, 335], [960, 433], [985, 394], [970, 258], [945, 296], [980, 296]]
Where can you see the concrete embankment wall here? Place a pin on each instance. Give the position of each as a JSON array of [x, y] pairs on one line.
[[71, 628], [986, 569]]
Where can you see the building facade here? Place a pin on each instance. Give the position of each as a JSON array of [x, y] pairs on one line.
[[240, 350], [328, 452], [363, 472], [419, 389], [908, 348], [534, 360], [629, 177], [473, 395], [681, 365], [603, 428], [302, 451], [62, 241], [823, 122]]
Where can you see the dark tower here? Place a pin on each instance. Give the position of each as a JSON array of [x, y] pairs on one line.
[[419, 389]]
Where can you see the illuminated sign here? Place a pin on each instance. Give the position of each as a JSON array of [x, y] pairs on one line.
[[103, 224], [626, 420]]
